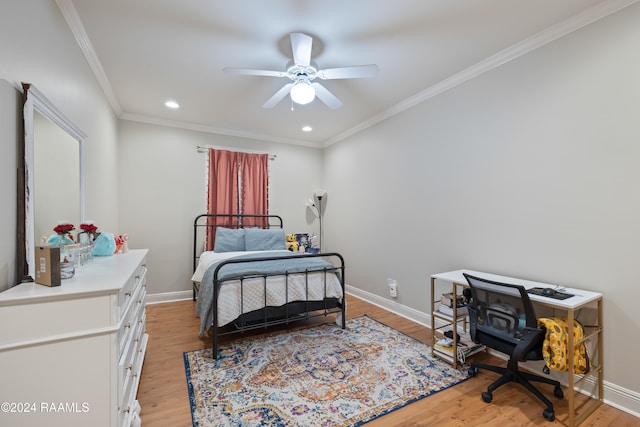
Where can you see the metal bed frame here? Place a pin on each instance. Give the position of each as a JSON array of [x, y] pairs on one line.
[[267, 316]]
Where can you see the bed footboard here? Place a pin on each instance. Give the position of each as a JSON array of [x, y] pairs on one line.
[[294, 307]]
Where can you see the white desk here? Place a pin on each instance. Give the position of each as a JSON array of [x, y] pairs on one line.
[[581, 299]]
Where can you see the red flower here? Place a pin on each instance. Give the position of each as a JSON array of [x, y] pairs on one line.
[[88, 228], [63, 228]]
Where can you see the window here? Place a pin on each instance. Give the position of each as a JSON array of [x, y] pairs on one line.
[[238, 183]]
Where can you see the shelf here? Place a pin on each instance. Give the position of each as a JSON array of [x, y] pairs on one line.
[[446, 353], [448, 317], [447, 320]]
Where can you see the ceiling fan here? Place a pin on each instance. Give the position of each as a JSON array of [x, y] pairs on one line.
[[302, 72]]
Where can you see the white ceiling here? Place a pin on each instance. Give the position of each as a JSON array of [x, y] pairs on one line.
[[145, 52]]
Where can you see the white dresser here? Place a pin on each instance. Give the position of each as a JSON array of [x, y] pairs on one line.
[[72, 355]]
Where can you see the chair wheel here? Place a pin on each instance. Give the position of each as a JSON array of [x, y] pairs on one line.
[[549, 414], [487, 396], [557, 392], [472, 371]]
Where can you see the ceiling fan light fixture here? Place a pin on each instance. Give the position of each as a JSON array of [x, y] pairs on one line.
[[302, 93]]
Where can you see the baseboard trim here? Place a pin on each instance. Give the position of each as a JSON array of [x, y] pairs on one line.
[[392, 306], [614, 395], [169, 297]]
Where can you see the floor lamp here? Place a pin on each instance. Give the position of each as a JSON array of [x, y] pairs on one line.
[[319, 194]]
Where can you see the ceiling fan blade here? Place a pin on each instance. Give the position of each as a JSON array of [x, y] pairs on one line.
[[301, 47], [250, 72], [355, 72], [325, 96], [279, 96]]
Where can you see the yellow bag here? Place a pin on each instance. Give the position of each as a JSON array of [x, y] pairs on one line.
[[554, 349]]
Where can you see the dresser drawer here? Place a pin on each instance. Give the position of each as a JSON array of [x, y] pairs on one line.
[[133, 341], [125, 367], [135, 305], [133, 380], [139, 303], [126, 293], [130, 354], [125, 331]]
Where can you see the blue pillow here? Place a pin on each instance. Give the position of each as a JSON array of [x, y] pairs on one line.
[[229, 240], [258, 239]]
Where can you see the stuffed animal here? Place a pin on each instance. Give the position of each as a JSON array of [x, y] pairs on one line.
[[292, 243]]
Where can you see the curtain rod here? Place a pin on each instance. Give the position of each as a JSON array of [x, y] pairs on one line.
[[205, 149]]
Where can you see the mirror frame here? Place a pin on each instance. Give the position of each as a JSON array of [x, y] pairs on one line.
[[34, 100]]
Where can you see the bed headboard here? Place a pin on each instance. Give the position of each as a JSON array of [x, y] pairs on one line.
[[207, 223]]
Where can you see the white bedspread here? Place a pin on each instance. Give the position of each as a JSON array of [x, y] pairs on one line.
[[232, 302]]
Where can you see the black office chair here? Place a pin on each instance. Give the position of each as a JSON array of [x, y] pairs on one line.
[[501, 317]]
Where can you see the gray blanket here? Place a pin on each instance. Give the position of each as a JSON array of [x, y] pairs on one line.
[[290, 263]]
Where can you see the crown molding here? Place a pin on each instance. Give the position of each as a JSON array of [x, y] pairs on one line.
[[593, 14], [219, 131], [527, 45], [73, 21]]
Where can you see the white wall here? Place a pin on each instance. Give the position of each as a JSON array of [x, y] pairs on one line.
[[162, 190], [10, 131], [36, 46], [529, 170]]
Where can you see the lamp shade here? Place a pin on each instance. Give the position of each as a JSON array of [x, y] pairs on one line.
[[311, 205], [302, 93]]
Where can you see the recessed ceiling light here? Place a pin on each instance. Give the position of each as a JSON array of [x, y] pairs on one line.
[[172, 104], [307, 128]]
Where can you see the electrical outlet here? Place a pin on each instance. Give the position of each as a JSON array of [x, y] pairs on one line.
[[393, 288]]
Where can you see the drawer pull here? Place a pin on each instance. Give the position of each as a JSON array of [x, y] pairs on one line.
[[130, 367], [127, 410], [137, 277], [128, 294], [128, 325]]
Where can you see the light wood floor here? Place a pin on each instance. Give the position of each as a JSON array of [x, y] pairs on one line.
[[173, 329]]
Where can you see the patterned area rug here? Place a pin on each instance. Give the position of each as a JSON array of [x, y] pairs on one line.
[[317, 376]]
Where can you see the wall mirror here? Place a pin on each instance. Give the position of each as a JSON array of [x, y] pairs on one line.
[[53, 175]]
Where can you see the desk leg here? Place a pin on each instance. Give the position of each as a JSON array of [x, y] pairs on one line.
[[433, 319], [570, 374], [600, 353]]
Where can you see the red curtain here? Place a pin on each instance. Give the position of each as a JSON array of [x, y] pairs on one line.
[[223, 188], [226, 170], [255, 184]]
